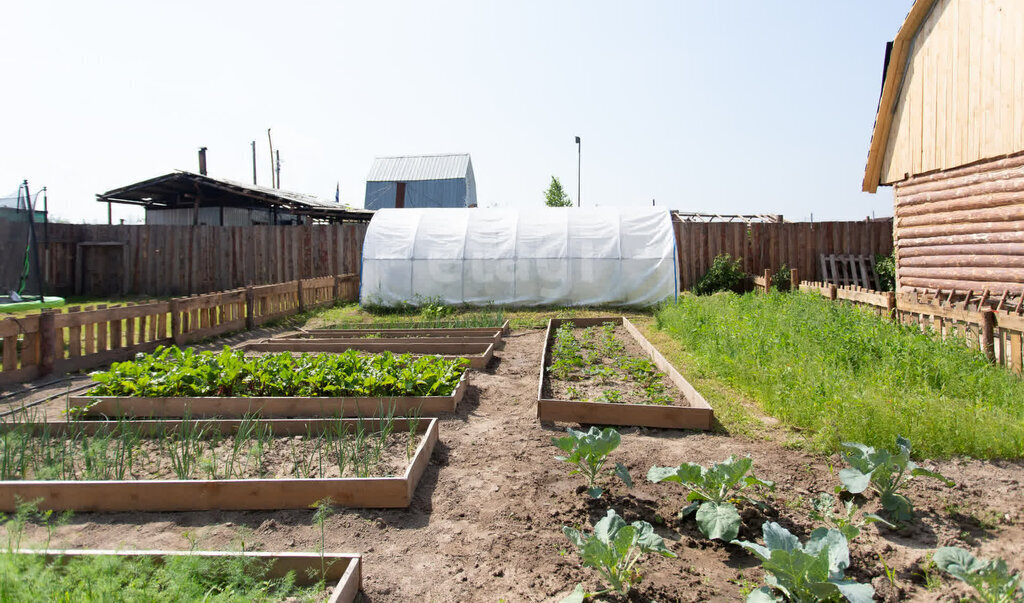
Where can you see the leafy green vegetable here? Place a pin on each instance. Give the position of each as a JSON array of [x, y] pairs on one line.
[[991, 579], [823, 510], [589, 450], [172, 372], [711, 491], [805, 572], [614, 548], [886, 473]]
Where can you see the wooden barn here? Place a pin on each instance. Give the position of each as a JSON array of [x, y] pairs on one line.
[[949, 139]]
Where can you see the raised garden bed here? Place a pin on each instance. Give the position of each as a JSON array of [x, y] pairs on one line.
[[340, 572], [92, 463], [208, 407], [186, 383], [667, 400], [478, 354], [465, 334]]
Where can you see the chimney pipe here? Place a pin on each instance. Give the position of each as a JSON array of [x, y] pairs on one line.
[[202, 160]]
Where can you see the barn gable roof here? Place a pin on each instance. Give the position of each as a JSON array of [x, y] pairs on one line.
[[892, 82], [420, 167]]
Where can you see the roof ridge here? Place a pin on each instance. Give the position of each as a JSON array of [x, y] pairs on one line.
[[430, 155]]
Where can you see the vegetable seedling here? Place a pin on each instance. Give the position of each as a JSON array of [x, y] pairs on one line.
[[886, 473], [589, 451], [823, 510], [991, 579], [613, 550], [805, 572], [712, 492]]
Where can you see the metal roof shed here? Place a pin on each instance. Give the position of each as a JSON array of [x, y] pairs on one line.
[[421, 181]]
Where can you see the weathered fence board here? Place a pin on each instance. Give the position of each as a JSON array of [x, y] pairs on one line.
[[761, 246], [985, 322], [185, 260]]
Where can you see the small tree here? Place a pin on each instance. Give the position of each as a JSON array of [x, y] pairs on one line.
[[555, 195]]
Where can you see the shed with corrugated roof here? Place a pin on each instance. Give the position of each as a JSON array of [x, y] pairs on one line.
[[421, 181]]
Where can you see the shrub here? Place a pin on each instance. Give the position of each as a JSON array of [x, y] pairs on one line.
[[725, 274], [885, 268], [780, 279]]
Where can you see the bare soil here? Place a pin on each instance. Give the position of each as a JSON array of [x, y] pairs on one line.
[[485, 522]]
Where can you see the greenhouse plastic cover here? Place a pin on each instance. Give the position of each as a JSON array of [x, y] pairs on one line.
[[530, 257]]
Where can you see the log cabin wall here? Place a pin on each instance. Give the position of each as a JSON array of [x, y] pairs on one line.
[[962, 228]]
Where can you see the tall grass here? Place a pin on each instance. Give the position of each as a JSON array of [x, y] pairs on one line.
[[844, 374]]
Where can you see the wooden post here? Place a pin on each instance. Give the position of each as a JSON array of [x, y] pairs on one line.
[[250, 309], [890, 305], [767, 280], [832, 292], [176, 323], [302, 303], [794, 279], [337, 289], [988, 324], [47, 342]]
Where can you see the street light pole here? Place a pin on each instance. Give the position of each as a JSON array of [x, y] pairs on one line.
[[579, 162]]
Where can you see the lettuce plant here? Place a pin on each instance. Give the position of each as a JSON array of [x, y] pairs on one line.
[[886, 473], [990, 579], [614, 549], [589, 451], [712, 492], [805, 572]]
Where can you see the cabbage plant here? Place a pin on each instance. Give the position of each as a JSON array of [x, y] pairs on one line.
[[805, 572], [589, 451], [613, 550], [990, 579], [886, 473], [712, 492]]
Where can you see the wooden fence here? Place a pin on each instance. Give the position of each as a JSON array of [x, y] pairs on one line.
[[98, 260], [90, 337], [986, 323], [770, 245]]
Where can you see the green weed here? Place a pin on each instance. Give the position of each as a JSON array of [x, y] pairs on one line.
[[843, 374]]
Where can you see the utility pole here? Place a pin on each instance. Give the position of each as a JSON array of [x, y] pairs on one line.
[[278, 168], [254, 162], [271, 141], [579, 163]]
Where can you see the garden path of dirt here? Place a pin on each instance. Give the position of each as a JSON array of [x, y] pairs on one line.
[[485, 523]]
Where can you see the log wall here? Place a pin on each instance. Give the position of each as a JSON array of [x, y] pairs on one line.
[[962, 228], [184, 260]]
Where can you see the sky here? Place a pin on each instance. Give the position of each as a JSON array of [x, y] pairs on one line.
[[732, 107]]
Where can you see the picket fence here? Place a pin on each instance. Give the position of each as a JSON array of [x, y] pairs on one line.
[[90, 337]]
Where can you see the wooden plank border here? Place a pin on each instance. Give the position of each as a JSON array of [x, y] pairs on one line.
[[494, 336], [699, 415], [225, 494], [267, 407], [342, 569]]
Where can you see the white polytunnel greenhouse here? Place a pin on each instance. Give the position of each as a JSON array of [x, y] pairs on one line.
[[521, 257]]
